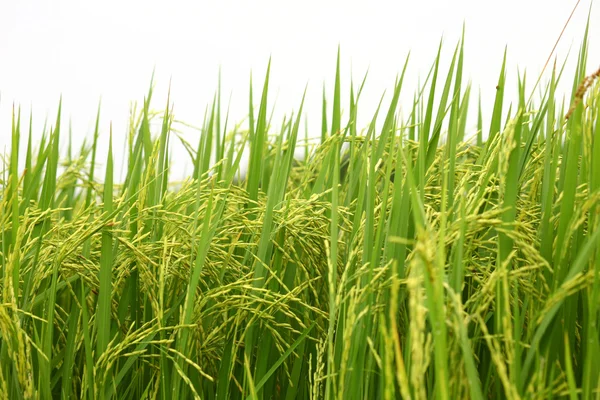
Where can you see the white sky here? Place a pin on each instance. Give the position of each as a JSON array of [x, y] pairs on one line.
[[87, 50]]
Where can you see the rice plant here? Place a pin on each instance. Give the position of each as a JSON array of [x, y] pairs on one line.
[[418, 260]]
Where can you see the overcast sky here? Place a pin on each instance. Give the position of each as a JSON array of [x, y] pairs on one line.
[[86, 50]]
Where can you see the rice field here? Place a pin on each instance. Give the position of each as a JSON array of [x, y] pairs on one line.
[[418, 260]]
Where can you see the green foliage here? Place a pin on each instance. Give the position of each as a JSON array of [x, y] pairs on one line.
[[420, 260]]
